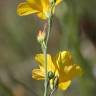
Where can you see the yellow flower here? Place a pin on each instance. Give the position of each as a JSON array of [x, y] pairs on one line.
[[61, 66], [40, 7]]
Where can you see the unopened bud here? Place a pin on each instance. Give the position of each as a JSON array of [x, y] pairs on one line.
[[51, 75], [41, 36], [56, 82]]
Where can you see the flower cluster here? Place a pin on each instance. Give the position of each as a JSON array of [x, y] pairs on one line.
[[60, 70], [60, 67]]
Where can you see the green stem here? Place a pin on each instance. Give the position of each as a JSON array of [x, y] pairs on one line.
[[45, 63], [46, 77], [49, 23], [49, 29], [45, 49], [45, 56]]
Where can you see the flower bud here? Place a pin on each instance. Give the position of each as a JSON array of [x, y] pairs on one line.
[[41, 36], [50, 75], [56, 82]]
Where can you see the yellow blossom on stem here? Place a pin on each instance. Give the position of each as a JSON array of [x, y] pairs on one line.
[[60, 67], [40, 7]]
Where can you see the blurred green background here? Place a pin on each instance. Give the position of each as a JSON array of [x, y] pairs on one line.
[[74, 29]]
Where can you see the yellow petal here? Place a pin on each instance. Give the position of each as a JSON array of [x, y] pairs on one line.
[[64, 85], [37, 74], [35, 1], [45, 4], [64, 58], [72, 71], [42, 15], [36, 4], [25, 9], [40, 60]]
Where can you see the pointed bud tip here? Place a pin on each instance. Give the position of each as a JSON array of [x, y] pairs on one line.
[[40, 36]]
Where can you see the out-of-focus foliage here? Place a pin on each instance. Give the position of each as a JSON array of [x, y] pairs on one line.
[[73, 29]]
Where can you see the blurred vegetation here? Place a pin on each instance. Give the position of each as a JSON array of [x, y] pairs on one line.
[[74, 29]]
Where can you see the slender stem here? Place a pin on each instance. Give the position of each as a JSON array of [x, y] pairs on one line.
[[45, 55], [50, 23], [45, 50], [46, 77], [49, 29]]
